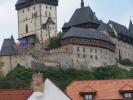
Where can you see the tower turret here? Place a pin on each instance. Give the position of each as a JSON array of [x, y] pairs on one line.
[[82, 3], [131, 26]]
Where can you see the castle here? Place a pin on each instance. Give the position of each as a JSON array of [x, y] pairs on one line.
[[87, 43]]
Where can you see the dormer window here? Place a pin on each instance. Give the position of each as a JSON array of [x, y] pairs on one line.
[[127, 94], [127, 91], [88, 96]]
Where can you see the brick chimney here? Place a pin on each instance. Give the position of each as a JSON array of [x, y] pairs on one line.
[[37, 82]]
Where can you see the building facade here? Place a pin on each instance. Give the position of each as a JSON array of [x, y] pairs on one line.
[[94, 43], [37, 20]]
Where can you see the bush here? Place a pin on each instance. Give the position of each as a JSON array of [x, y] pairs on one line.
[[126, 62], [54, 42]]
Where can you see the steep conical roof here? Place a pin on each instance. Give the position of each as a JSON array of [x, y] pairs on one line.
[[130, 26], [8, 47]]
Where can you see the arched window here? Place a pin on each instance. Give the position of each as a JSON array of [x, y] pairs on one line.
[[26, 28]]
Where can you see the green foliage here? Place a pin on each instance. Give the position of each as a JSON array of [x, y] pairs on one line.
[[21, 77], [126, 62], [110, 72], [54, 42]]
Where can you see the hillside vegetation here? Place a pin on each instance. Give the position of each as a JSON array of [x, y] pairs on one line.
[[21, 77]]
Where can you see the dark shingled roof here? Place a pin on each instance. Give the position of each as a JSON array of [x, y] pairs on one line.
[[8, 48], [81, 16], [26, 3], [103, 26], [86, 33], [120, 28], [50, 21]]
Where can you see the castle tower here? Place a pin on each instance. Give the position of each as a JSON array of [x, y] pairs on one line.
[[37, 20]]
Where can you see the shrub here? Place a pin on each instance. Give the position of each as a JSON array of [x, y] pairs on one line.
[[126, 62]]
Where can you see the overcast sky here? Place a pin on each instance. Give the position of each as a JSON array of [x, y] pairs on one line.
[[116, 10]]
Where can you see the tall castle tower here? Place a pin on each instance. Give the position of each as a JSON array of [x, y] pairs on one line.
[[37, 20]]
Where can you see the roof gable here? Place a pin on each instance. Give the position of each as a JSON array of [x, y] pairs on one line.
[[50, 92], [127, 87]]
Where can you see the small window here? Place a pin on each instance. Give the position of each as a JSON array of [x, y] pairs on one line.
[[46, 7], [128, 95], [95, 50], [88, 97], [91, 57], [34, 8], [84, 55], [96, 57], [77, 48], [23, 11], [49, 14], [26, 28], [46, 14], [50, 7], [91, 50], [78, 55], [83, 49], [28, 9]]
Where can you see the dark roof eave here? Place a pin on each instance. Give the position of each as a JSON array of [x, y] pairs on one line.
[[88, 38], [68, 26]]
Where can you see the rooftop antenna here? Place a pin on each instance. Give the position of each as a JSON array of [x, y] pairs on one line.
[[82, 3]]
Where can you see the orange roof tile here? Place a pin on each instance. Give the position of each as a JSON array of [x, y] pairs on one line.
[[126, 87], [105, 89], [15, 94]]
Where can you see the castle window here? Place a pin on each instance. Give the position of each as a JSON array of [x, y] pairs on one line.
[[23, 11], [77, 48], [26, 28], [78, 55], [95, 50], [46, 7], [91, 50], [91, 57], [96, 57], [50, 7], [83, 49], [28, 9], [34, 8], [46, 14], [32, 15], [49, 14], [84, 56]]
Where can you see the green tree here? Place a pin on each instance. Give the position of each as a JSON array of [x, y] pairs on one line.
[[54, 42]]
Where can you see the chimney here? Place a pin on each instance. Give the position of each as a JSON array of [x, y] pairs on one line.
[[37, 82]]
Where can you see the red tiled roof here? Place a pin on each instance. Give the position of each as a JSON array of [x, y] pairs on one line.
[[15, 94], [105, 89]]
